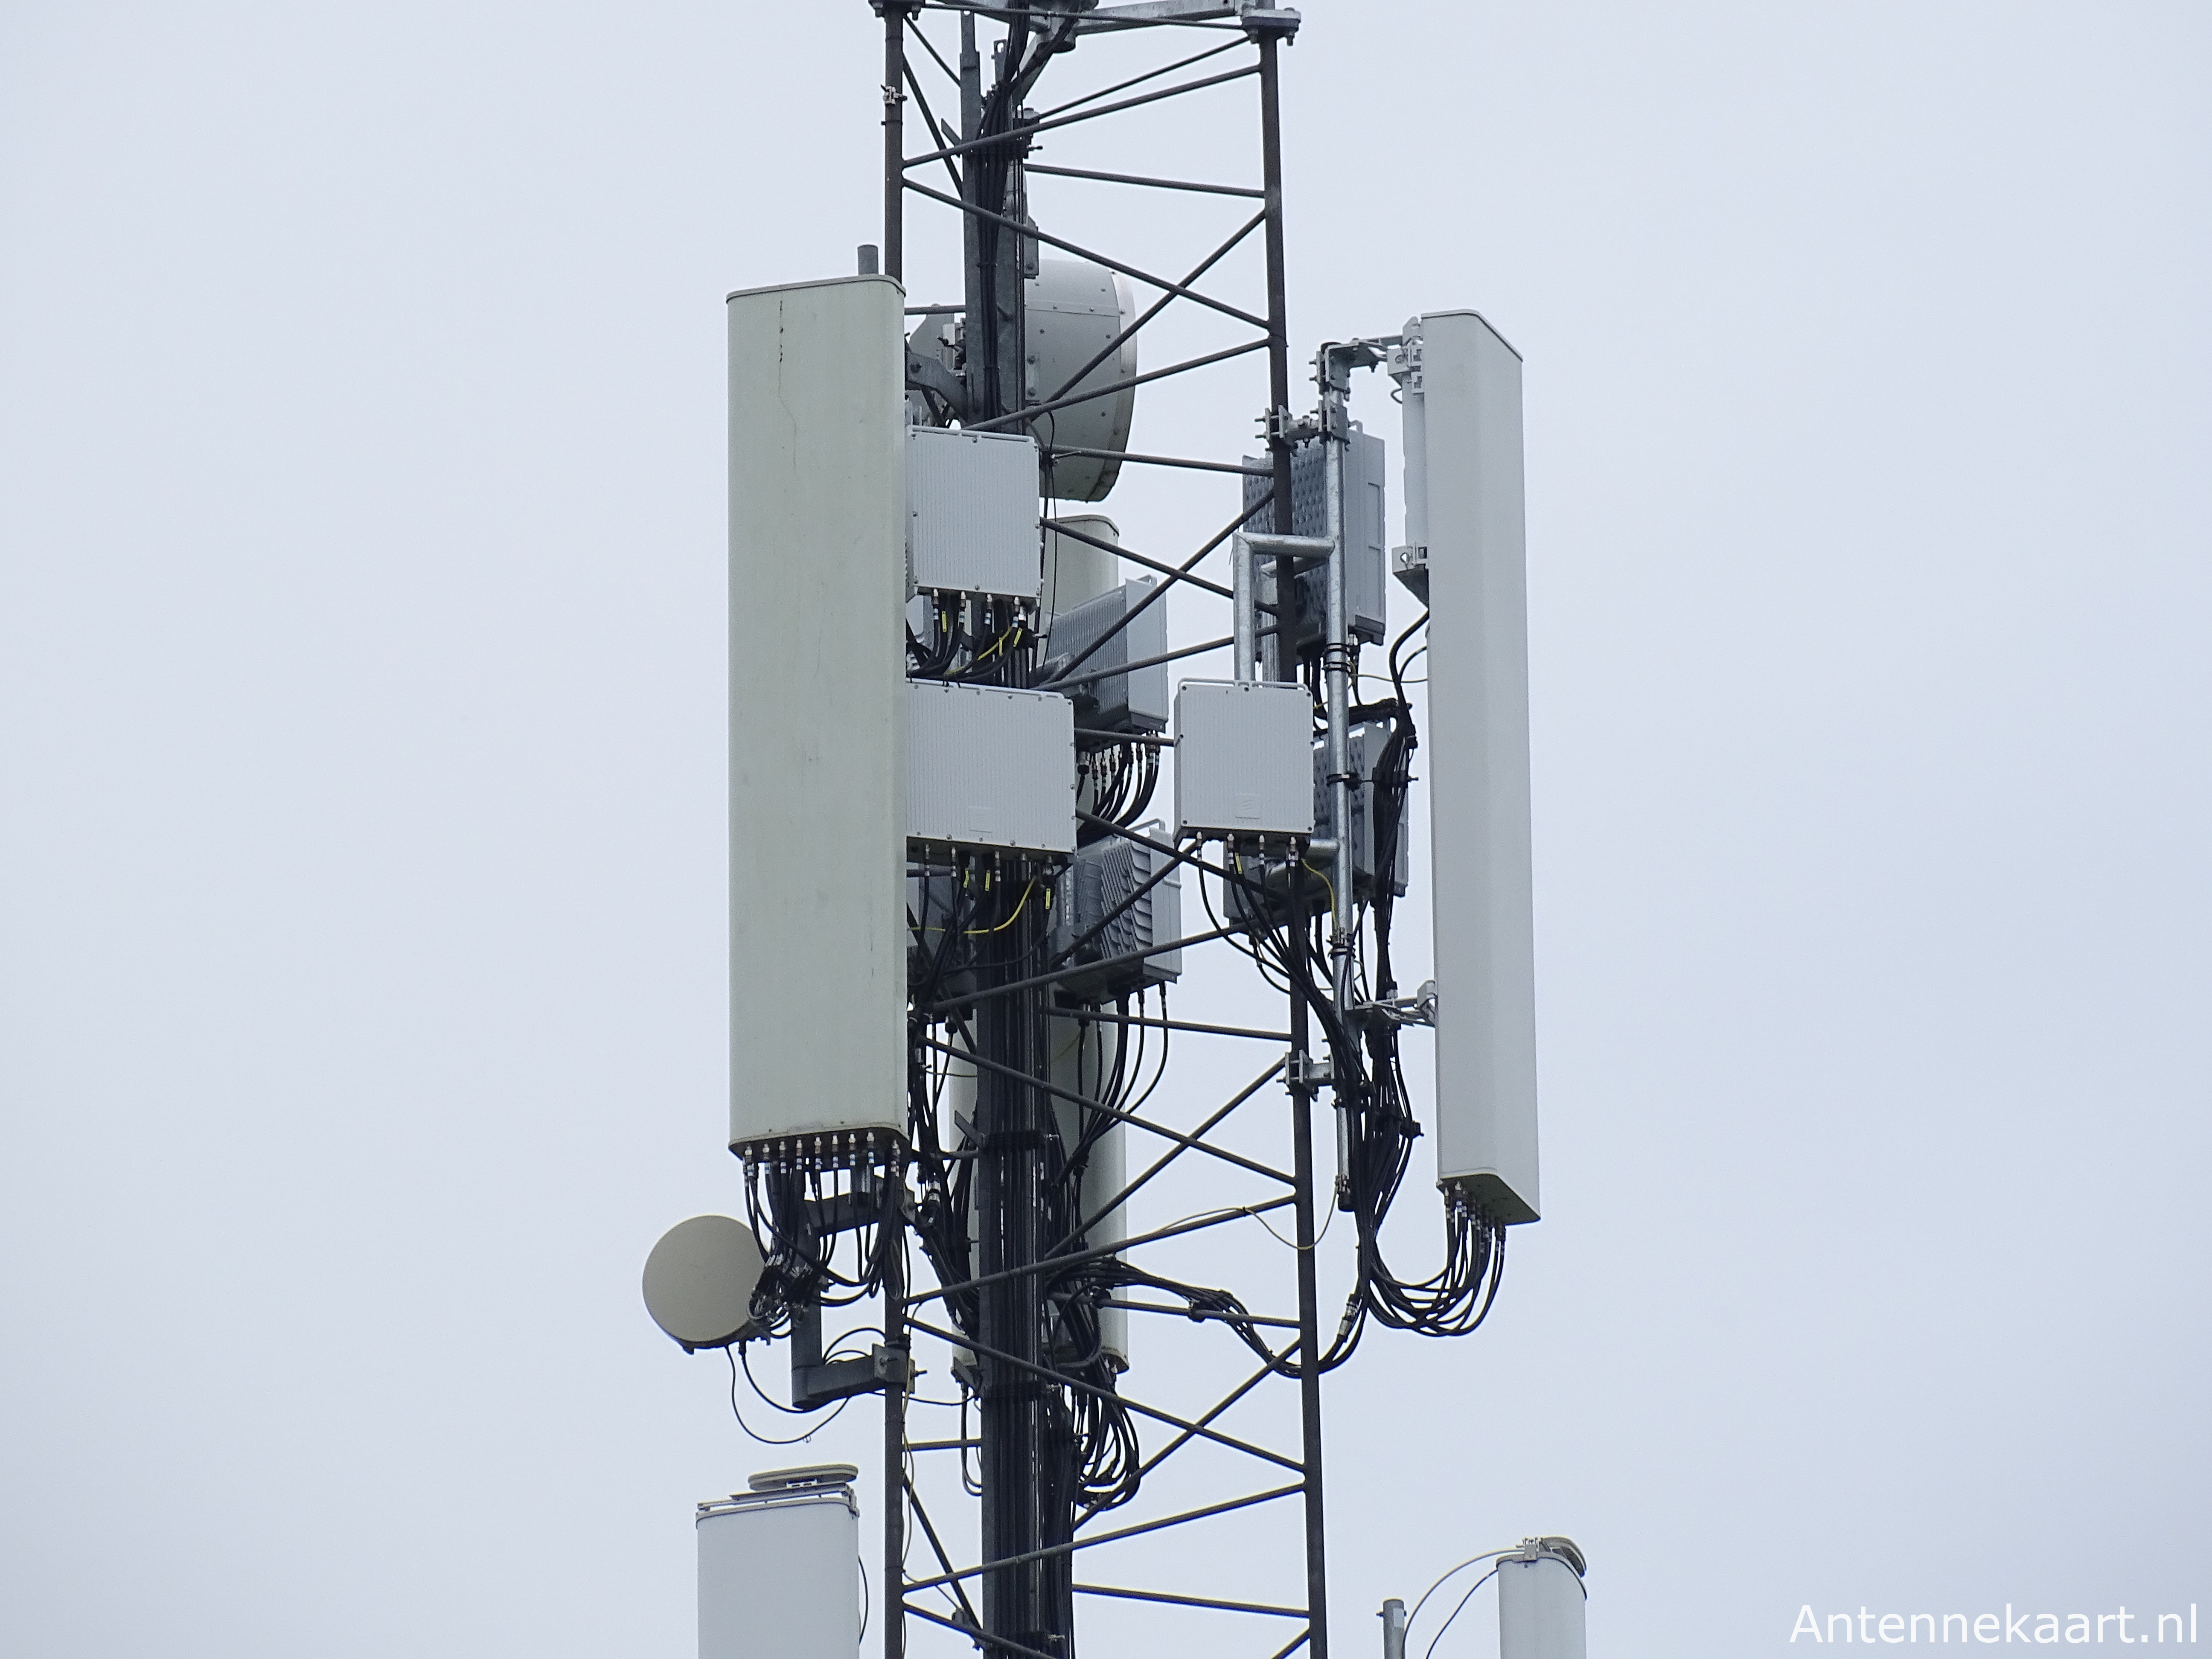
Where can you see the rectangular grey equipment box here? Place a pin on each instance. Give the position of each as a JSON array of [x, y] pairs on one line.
[[1105, 874], [1123, 702], [989, 766], [778, 1574], [1365, 576], [972, 512], [1244, 758], [1366, 742]]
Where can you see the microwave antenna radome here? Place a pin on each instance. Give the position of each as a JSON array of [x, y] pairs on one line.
[[963, 890]]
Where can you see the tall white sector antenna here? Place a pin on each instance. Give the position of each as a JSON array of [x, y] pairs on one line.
[[1466, 527], [818, 740]]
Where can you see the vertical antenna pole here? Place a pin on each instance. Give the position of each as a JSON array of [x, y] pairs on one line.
[[1278, 447], [892, 1237], [971, 262], [1279, 331], [892, 1241], [894, 139], [1336, 668]]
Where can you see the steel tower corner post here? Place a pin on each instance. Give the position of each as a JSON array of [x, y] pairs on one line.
[[893, 16], [1280, 443]]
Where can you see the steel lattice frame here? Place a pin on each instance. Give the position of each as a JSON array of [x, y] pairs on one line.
[[1018, 1598]]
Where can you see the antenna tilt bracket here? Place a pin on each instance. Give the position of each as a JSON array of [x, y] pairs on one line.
[[1418, 1009], [1281, 424]]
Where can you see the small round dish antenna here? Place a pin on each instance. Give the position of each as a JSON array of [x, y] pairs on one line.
[[699, 1282]]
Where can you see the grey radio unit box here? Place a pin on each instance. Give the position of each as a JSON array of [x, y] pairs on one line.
[[1101, 879], [1135, 701], [1366, 572], [971, 499], [989, 766], [1270, 882], [1366, 742], [1244, 758]]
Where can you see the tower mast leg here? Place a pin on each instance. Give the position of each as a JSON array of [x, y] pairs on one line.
[[894, 13], [1278, 445]]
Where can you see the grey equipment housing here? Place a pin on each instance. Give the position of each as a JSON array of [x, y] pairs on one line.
[[817, 515], [1102, 878], [989, 766], [972, 512], [1541, 1601], [1135, 701], [1365, 581], [1243, 759], [1366, 743]]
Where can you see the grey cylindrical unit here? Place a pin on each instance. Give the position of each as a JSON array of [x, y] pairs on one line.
[[1075, 571], [779, 1573], [1540, 1600]]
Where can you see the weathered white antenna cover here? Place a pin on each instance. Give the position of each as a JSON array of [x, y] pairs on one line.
[[817, 758]]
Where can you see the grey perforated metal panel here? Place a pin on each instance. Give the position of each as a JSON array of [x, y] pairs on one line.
[[1101, 881], [1136, 701], [1365, 585]]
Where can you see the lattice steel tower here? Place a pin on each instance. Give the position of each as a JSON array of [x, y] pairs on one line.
[[956, 916]]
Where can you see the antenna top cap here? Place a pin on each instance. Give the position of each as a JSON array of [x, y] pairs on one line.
[[1559, 1549], [812, 1475]]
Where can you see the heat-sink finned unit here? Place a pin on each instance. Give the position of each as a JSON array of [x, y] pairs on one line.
[[1133, 626], [1109, 905]]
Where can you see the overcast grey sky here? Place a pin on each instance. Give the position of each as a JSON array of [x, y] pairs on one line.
[[362, 870]]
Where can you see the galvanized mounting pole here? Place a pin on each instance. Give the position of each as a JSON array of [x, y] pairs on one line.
[[1302, 1088], [1336, 672], [894, 13], [891, 1235], [898, 1377], [971, 228]]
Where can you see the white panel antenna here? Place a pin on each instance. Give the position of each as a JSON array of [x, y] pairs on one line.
[[817, 530], [1464, 493]]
